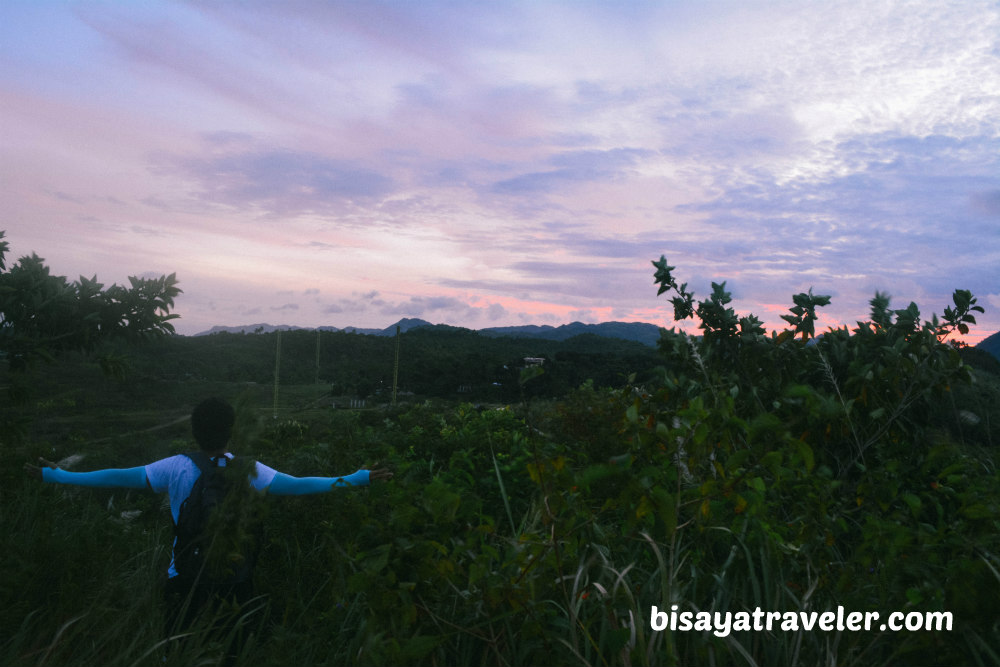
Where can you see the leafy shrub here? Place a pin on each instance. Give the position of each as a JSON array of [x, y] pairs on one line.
[[786, 471]]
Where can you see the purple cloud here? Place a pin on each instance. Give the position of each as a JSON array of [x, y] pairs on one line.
[[285, 182], [573, 168]]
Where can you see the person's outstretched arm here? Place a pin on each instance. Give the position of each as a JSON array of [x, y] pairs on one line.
[[110, 478], [286, 485]]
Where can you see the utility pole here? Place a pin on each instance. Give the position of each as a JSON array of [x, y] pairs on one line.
[[317, 355], [395, 369], [277, 369]]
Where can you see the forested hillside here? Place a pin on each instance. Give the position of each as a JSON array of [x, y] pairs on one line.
[[435, 361]]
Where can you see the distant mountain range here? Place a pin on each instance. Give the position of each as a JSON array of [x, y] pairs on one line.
[[404, 325], [641, 332]]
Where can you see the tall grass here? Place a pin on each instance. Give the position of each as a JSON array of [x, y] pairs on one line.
[[466, 561], [92, 595]]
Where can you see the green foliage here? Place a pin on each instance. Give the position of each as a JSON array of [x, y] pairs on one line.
[[804, 313], [235, 525], [834, 451], [42, 315], [786, 471], [4, 247]]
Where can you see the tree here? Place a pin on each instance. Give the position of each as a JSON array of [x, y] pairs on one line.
[[42, 315]]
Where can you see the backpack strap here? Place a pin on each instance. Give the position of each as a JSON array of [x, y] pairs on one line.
[[204, 461]]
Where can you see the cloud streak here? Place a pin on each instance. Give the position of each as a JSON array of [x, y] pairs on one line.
[[283, 182]]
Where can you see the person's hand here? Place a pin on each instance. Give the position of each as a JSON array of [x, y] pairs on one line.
[[379, 474], [36, 471]]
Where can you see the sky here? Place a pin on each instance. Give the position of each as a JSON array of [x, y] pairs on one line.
[[487, 164]]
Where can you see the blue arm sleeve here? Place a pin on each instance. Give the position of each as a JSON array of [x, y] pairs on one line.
[[286, 485], [112, 478]]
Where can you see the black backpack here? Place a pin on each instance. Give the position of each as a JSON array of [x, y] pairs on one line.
[[214, 544]]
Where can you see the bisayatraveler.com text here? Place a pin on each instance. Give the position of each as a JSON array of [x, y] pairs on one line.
[[722, 624]]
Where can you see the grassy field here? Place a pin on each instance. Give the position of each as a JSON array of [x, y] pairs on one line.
[[539, 532]]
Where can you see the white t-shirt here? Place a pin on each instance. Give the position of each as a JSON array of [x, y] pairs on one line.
[[176, 476]]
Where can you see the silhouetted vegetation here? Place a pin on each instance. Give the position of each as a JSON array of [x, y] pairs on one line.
[[539, 520]]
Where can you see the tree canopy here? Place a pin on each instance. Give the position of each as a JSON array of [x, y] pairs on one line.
[[42, 314]]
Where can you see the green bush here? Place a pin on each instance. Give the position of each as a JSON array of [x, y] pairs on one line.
[[785, 471]]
